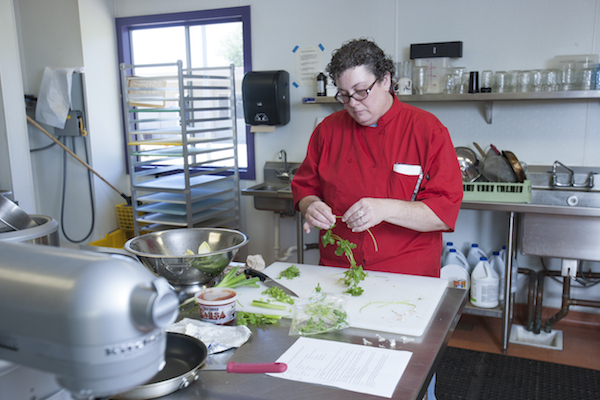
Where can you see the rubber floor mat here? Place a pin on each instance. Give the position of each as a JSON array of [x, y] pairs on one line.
[[472, 375]]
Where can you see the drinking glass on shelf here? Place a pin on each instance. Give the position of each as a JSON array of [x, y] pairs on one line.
[[458, 74], [587, 78], [422, 79], [567, 75], [486, 81], [500, 82], [524, 81], [537, 80], [550, 80], [513, 77], [448, 84], [405, 72]]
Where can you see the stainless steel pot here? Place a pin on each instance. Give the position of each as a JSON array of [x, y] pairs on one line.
[[46, 232], [13, 216]]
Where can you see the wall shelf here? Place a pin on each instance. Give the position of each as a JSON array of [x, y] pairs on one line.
[[487, 99]]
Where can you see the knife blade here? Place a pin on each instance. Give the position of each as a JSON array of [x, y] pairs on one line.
[[268, 281], [247, 368]]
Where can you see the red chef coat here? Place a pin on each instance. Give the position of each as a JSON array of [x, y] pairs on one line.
[[346, 162]]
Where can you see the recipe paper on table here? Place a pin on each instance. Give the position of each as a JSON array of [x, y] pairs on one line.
[[358, 368]]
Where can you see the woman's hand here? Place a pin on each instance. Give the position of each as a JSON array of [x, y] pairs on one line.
[[368, 212], [316, 213], [364, 214]]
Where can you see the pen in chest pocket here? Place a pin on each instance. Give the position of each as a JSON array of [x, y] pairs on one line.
[[411, 170]]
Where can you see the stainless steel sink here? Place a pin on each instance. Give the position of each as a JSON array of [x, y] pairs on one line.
[[271, 196], [267, 189], [558, 232], [275, 193], [571, 198]]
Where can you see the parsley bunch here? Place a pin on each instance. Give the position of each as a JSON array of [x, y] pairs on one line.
[[354, 275]]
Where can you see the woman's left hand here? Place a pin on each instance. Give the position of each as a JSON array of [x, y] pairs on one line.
[[364, 214]]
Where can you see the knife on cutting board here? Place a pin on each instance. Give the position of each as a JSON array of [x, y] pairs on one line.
[[247, 368], [267, 280]]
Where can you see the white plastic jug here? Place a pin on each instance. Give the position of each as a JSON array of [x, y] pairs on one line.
[[456, 257], [484, 285], [475, 253], [515, 270], [447, 247], [497, 264]]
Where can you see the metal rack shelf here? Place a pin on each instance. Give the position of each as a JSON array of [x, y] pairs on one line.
[[182, 146], [487, 98]]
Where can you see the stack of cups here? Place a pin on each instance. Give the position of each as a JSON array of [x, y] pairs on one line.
[[501, 81], [486, 81], [405, 74]]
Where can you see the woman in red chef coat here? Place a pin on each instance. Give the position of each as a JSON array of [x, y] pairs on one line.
[[381, 165]]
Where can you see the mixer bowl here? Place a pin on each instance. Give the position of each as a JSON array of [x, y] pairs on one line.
[[164, 253]]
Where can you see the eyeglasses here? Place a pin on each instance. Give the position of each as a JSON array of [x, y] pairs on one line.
[[359, 95]]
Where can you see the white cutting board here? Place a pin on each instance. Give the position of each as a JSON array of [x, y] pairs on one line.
[[424, 292]]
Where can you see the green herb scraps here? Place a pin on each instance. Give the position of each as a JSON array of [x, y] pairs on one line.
[[279, 295], [246, 318], [231, 280], [291, 272], [319, 313], [267, 304]]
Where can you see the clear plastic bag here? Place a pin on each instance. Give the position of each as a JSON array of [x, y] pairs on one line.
[[318, 313]]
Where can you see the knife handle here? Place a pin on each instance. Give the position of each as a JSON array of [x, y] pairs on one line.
[[254, 273], [260, 368]]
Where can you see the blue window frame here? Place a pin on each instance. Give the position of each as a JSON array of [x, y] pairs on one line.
[[127, 27]]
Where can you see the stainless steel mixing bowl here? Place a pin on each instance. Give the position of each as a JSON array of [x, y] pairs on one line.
[[467, 159], [163, 253]]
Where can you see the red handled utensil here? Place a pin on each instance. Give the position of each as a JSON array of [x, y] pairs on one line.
[[248, 368]]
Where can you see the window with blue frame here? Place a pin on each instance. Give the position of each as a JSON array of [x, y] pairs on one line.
[[207, 38]]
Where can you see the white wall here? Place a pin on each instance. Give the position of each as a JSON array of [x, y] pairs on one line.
[[512, 34], [79, 34], [15, 167]]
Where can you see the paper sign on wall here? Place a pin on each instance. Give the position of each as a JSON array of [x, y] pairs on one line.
[[308, 65]]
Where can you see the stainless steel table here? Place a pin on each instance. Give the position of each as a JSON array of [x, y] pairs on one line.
[[268, 343]]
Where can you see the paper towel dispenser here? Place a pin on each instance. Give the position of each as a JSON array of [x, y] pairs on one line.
[[266, 97]]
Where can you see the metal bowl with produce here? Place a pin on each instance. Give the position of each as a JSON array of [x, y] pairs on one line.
[[187, 258]]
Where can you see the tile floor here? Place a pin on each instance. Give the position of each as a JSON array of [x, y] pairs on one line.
[[581, 338]]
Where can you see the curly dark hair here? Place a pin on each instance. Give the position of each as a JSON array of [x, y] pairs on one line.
[[358, 52]]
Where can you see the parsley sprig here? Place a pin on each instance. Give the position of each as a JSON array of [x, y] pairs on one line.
[[354, 275]]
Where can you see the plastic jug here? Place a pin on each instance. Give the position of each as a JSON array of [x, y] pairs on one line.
[[475, 253], [447, 247], [497, 264], [456, 257], [484, 285]]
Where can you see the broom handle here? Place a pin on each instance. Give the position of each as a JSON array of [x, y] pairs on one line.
[[65, 148]]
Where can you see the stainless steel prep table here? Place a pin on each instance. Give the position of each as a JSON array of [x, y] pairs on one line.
[[513, 210], [268, 343]]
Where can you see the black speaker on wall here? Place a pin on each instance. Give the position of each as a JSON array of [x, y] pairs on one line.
[[266, 97]]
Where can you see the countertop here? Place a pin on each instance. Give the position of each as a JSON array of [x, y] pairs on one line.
[[532, 208], [268, 343]]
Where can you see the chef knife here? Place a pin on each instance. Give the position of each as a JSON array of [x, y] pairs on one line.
[[247, 368], [267, 280]]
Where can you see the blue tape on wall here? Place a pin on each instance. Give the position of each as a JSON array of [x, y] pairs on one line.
[[295, 84], [321, 47], [295, 48]]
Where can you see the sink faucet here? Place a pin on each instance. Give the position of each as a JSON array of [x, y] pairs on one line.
[[283, 173]]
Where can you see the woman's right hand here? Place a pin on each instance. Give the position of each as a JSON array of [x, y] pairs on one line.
[[316, 213]]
